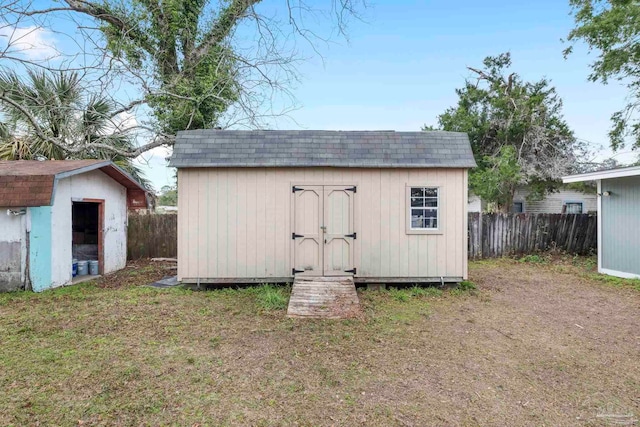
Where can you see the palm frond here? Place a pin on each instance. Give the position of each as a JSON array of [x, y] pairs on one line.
[[62, 109]]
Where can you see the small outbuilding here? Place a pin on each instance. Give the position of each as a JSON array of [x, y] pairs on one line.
[[618, 219], [268, 206], [52, 212]]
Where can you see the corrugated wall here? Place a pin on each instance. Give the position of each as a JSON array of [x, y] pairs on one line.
[[621, 225], [236, 223]]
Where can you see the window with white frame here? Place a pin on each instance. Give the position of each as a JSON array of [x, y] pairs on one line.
[[423, 208], [573, 207]]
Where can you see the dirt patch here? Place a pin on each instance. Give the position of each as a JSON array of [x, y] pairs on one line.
[[137, 273], [536, 344]]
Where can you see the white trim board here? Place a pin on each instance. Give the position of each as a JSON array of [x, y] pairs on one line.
[[607, 174], [616, 273], [599, 222]]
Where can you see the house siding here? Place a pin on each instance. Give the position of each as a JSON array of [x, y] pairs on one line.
[[237, 222], [475, 204], [620, 225], [553, 202]]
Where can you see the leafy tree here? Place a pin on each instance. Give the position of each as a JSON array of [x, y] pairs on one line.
[[193, 66], [612, 28], [47, 106], [168, 196], [499, 110], [190, 63], [496, 182]]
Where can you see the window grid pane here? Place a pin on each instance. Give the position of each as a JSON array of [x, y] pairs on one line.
[[574, 208], [417, 202], [424, 208]]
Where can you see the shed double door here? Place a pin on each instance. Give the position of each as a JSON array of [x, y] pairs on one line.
[[323, 230]]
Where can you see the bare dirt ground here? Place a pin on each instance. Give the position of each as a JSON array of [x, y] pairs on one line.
[[541, 343]]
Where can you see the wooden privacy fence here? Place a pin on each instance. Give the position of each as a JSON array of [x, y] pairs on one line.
[[490, 235], [496, 235], [152, 236]]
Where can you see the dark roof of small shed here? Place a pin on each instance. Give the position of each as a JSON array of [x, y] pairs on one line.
[[26, 183], [305, 148]]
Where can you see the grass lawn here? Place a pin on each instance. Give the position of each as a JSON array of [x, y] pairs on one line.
[[541, 341]]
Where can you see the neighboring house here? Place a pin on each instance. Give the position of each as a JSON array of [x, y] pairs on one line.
[[565, 200], [166, 209], [54, 211], [475, 203], [265, 206], [618, 219]]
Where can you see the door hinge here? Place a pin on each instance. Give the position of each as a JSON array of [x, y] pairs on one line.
[[294, 235], [294, 189], [353, 270], [354, 189], [354, 235], [294, 271]]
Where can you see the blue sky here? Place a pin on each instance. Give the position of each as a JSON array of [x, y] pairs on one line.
[[401, 68], [404, 60]]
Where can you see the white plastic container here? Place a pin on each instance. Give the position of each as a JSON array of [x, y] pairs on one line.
[[94, 268], [83, 268]]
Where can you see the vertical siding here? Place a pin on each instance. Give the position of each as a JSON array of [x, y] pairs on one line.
[[621, 225], [237, 223], [465, 229], [40, 248]]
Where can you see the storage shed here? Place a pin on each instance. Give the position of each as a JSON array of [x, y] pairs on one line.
[[266, 206], [618, 219], [54, 211]]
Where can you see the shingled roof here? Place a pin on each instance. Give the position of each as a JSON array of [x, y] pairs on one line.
[[26, 183], [304, 148]]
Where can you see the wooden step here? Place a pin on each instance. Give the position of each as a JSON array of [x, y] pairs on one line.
[[324, 298]]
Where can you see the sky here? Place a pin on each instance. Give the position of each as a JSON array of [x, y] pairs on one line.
[[403, 60]]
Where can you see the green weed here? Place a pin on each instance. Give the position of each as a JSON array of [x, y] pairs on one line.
[[588, 263], [429, 291], [270, 297], [401, 295], [534, 259], [616, 281], [405, 294], [464, 287]]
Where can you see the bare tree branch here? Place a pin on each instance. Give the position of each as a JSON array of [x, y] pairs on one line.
[[167, 69]]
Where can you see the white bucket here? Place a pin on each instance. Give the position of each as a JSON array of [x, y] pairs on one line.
[[94, 268], [83, 268]]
